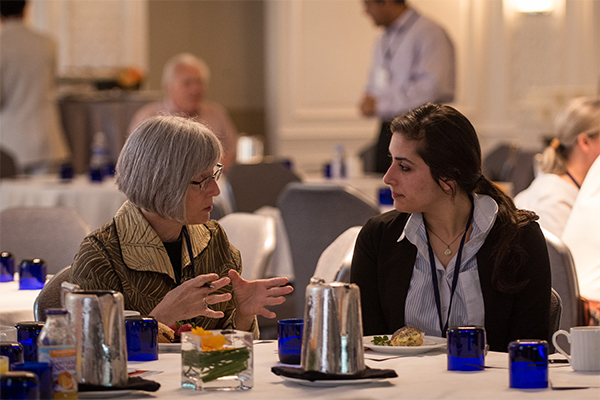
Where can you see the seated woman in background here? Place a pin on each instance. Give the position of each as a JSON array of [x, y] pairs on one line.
[[160, 250], [455, 251], [565, 163]]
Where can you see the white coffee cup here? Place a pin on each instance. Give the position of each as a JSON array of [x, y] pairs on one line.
[[585, 347]]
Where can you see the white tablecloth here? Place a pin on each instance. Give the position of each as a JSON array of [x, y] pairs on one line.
[[97, 202], [16, 305], [419, 377]]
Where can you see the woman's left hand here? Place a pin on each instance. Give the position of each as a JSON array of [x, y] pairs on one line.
[[251, 297]]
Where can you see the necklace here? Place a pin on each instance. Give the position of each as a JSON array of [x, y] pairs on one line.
[[448, 250]]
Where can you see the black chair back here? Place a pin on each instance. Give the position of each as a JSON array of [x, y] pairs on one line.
[[314, 216], [258, 185]]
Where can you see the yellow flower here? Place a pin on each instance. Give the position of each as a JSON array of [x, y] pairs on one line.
[[208, 340]]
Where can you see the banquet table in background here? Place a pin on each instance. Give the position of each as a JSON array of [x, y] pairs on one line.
[[368, 185], [16, 305], [419, 377], [97, 202], [109, 111]]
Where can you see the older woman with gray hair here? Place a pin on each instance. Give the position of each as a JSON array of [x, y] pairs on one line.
[[161, 251], [565, 163]]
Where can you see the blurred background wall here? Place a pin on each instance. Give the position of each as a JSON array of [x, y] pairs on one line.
[[293, 71]]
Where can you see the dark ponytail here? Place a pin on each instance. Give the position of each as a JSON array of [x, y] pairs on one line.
[[507, 252]]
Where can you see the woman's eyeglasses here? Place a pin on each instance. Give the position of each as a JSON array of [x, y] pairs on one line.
[[203, 184]]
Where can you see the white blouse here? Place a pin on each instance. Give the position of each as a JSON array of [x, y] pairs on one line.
[[552, 198], [467, 304]]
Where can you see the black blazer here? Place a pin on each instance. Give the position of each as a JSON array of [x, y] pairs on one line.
[[382, 267]]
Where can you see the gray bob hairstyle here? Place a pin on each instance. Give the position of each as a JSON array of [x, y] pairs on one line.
[[160, 159]]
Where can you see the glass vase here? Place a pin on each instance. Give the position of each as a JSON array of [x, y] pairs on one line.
[[218, 360]]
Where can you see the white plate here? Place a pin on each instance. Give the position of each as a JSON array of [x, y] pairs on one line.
[[104, 394], [169, 347], [341, 382], [429, 343]]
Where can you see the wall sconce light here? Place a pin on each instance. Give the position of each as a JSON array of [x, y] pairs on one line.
[[535, 6]]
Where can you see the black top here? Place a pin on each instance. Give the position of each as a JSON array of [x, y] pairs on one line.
[[174, 252], [382, 267]]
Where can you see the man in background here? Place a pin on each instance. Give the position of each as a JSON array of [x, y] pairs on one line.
[[185, 78], [413, 63], [30, 127]]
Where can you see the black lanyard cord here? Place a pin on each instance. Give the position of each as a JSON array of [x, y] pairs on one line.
[[188, 243], [573, 179], [387, 54], [436, 289]]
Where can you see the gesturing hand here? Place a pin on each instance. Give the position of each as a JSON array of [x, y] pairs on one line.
[[251, 297], [190, 300]]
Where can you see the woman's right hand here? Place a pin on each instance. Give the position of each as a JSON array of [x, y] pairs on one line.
[[190, 299]]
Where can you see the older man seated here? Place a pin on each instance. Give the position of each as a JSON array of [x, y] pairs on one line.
[[185, 79]]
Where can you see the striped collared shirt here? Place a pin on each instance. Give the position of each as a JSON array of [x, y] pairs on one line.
[[467, 304]]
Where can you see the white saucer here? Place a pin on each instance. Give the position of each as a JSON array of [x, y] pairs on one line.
[[104, 394], [169, 347], [429, 343]]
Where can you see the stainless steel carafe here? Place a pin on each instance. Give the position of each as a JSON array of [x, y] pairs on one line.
[[97, 319], [332, 336]]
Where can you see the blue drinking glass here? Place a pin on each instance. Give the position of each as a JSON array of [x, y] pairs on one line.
[[32, 274], [7, 267], [19, 385], [27, 335], [142, 338], [289, 337], [14, 352], [466, 348], [96, 174], [43, 370], [66, 171], [528, 364], [385, 197]]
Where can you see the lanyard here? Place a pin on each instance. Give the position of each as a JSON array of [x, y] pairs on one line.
[[388, 52], [574, 181], [188, 243], [436, 289]]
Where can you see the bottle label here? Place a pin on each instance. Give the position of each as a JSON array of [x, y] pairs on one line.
[[64, 365]]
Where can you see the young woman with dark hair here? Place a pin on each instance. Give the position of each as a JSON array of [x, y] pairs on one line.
[[456, 250]]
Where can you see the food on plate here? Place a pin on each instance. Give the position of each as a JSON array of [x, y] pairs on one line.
[[165, 334], [65, 380], [181, 328], [381, 341], [405, 336], [172, 334]]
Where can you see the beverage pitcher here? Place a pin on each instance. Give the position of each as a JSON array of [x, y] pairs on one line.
[[97, 318], [332, 336]]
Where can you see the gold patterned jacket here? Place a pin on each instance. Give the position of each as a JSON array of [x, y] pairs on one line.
[[127, 255]]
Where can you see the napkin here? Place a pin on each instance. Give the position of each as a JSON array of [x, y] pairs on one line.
[[300, 373], [134, 383]]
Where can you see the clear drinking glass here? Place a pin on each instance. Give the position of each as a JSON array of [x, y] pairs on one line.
[[217, 360]]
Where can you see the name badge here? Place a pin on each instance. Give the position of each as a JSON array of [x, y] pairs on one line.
[[382, 78]]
